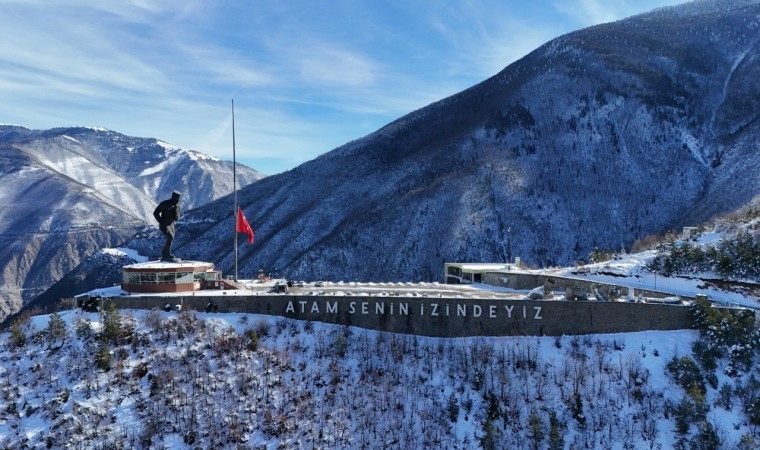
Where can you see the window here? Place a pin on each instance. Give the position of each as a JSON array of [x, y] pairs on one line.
[[169, 277], [185, 277], [131, 277], [148, 278]]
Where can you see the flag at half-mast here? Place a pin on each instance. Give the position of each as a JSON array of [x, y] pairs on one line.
[[243, 226]]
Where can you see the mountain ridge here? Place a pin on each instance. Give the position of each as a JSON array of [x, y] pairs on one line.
[[595, 139]]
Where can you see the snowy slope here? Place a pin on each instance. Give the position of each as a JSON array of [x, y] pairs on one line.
[[634, 270], [224, 380], [66, 157]]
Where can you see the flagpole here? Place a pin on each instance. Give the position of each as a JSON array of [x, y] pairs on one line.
[[234, 191]]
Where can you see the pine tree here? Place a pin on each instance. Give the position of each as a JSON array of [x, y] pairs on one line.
[[686, 373], [577, 409], [103, 357], [706, 439], [18, 338], [56, 329], [536, 429], [453, 408], [684, 415], [747, 442], [488, 439], [253, 340], [556, 441], [111, 324], [83, 328], [752, 410]]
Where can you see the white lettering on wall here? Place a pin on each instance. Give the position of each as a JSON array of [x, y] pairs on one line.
[[434, 309]]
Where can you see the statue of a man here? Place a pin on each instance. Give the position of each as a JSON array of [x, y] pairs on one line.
[[167, 213]]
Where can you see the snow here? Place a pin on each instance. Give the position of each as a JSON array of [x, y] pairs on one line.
[[693, 144], [128, 252], [154, 169], [102, 183], [166, 145], [196, 156], [159, 264], [386, 390], [482, 266], [630, 270]]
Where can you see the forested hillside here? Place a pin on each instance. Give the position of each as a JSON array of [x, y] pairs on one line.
[[152, 379]]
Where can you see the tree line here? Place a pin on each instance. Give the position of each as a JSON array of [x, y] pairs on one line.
[[736, 257]]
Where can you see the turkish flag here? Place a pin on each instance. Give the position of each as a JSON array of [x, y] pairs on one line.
[[243, 226]]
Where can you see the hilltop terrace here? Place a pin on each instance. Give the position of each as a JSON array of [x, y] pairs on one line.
[[475, 281]]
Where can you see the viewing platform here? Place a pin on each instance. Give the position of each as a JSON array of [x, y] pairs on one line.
[[154, 277]]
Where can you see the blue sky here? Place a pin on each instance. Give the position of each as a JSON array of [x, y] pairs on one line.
[[306, 76]]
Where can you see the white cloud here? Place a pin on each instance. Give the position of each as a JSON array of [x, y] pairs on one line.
[[333, 65], [307, 77], [486, 36], [592, 12]]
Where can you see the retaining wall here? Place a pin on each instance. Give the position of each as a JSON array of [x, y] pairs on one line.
[[442, 317]]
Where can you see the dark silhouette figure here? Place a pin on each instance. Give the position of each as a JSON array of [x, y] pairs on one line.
[[167, 213]]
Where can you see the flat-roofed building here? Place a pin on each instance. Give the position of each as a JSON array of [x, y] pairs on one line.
[[161, 276], [466, 273]]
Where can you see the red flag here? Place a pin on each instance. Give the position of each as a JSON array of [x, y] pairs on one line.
[[243, 226]]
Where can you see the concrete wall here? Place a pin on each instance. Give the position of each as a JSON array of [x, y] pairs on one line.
[[443, 317]]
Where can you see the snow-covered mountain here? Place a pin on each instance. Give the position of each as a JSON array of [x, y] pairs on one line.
[[596, 139], [132, 173], [68, 192]]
